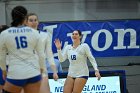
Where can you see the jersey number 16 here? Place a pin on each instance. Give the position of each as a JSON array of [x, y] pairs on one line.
[[21, 42]]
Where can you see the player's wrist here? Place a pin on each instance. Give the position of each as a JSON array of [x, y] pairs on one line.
[[58, 49], [97, 70], [55, 72]]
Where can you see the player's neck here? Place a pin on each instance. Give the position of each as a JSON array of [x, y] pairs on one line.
[[76, 44], [20, 25]]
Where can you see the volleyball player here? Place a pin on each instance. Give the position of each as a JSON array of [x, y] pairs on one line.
[[32, 21], [2, 28], [20, 42], [77, 54]]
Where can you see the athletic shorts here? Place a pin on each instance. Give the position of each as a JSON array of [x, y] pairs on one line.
[[2, 81], [1, 78], [85, 77], [23, 82]]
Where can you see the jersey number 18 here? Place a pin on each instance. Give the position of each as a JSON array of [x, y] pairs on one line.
[[73, 57]]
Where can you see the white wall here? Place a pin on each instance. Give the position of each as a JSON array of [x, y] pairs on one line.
[[73, 10], [48, 11], [2, 14]]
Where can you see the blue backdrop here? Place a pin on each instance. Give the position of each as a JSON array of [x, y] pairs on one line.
[[105, 38]]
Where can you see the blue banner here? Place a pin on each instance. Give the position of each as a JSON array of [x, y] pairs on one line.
[[106, 39]]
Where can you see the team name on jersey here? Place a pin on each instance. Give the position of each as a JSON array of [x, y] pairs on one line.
[[23, 30]]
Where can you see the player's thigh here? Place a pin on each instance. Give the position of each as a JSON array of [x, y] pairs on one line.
[[1, 86], [79, 85], [68, 86], [32, 87], [22, 91], [45, 88], [11, 87]]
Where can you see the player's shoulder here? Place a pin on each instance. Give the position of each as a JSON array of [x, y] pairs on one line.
[[84, 44], [5, 32], [43, 33], [69, 46], [33, 31]]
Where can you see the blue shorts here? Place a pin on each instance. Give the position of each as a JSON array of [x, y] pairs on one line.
[[2, 81], [85, 77], [23, 82], [1, 78]]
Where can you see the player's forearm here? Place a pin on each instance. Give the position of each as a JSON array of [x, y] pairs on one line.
[[2, 65], [95, 66], [2, 61], [53, 67], [42, 62], [60, 56]]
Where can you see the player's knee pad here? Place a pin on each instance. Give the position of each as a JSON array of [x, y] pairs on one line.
[[4, 91]]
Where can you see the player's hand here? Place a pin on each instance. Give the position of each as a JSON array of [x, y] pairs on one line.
[[55, 76], [97, 74], [57, 44], [41, 70], [4, 73]]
